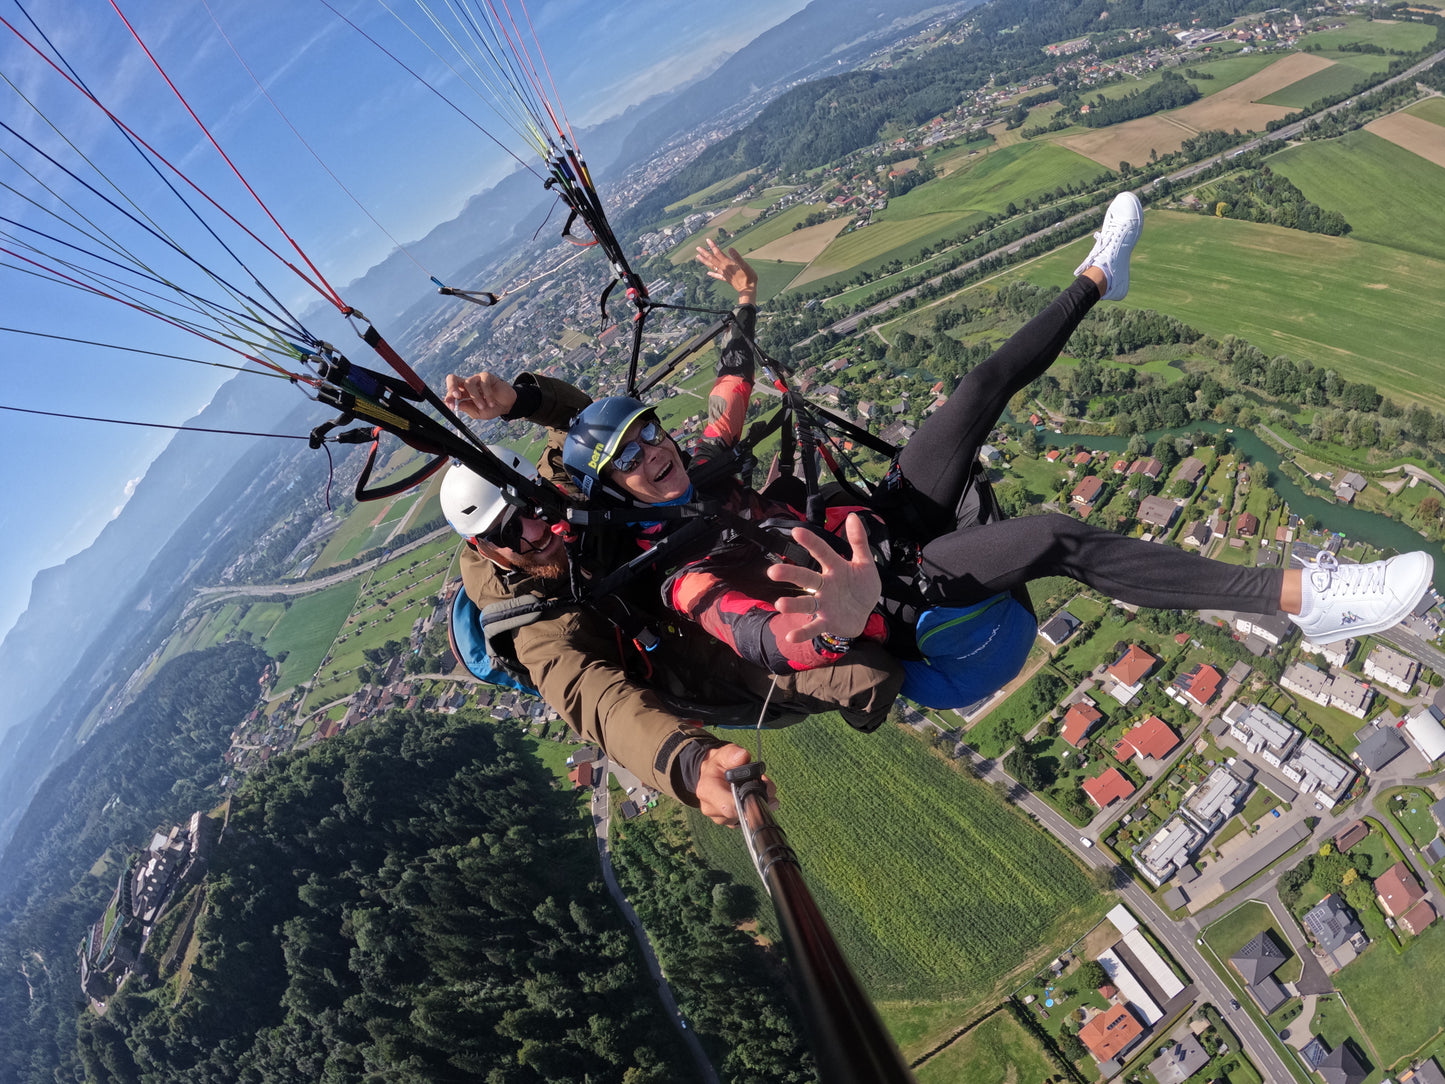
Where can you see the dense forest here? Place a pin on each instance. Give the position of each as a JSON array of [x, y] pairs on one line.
[[157, 763], [1261, 195], [414, 901], [1171, 92], [820, 121]]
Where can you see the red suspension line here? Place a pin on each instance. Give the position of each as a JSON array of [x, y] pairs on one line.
[[329, 292]]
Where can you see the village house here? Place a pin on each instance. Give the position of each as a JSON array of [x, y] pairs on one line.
[[1158, 512], [1153, 738], [1078, 721], [1189, 470], [1107, 787], [1086, 493], [1129, 672]]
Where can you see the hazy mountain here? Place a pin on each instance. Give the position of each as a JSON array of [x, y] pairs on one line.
[[825, 36], [70, 603]]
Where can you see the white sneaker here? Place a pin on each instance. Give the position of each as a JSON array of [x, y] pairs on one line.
[[1355, 600], [1113, 243]]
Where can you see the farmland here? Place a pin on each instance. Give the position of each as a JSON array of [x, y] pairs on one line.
[[1340, 302], [997, 1051], [1379, 187], [868, 812], [1397, 1026]]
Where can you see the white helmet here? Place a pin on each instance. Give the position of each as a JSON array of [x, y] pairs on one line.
[[472, 504]]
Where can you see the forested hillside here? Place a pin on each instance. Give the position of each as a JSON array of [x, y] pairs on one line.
[[150, 767], [820, 121], [414, 901]]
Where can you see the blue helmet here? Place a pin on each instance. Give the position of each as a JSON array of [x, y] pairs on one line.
[[596, 436]]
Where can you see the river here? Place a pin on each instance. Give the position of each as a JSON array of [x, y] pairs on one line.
[[1382, 532]]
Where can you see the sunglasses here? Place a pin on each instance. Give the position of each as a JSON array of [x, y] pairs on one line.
[[627, 459], [506, 533]]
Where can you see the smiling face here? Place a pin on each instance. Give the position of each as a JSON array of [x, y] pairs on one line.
[[659, 474], [540, 552]]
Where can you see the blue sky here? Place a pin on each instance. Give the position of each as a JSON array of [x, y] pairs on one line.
[[407, 157]]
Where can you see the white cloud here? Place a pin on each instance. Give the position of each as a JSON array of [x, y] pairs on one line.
[[129, 492]]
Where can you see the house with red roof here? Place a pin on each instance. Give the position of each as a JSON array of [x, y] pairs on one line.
[[1107, 787], [1246, 525], [1199, 686], [1398, 890], [1120, 466], [1082, 458], [1152, 738], [1149, 467], [1087, 492], [1111, 1033], [1129, 672], [1078, 721], [1416, 919], [1052, 455]]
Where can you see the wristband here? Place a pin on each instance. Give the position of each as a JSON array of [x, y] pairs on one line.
[[837, 645]]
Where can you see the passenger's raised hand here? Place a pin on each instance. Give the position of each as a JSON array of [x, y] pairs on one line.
[[840, 597], [483, 396], [731, 268]]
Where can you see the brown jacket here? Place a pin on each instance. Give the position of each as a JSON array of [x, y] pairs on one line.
[[593, 679], [600, 686]]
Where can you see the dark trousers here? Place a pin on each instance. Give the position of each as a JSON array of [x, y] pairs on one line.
[[968, 562]]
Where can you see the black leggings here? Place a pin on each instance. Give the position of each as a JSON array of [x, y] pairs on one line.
[[967, 563]]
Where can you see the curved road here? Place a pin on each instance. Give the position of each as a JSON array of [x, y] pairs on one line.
[[601, 818]]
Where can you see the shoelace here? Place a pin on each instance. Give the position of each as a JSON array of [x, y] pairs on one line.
[[1333, 580]]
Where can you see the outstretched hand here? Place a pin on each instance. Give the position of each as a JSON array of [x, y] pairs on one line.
[[483, 396], [731, 268], [715, 794], [841, 597]]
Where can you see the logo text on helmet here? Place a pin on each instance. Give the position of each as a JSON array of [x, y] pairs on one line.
[[598, 451]]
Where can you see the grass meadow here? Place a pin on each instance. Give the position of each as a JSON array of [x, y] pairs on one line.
[[703, 195], [1347, 70], [307, 630], [1386, 34], [936, 888], [1388, 195], [1431, 109], [1340, 302], [997, 1051]]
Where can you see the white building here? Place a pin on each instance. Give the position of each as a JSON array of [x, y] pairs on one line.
[[1336, 654], [1169, 849], [1215, 800], [1317, 772], [1272, 630], [1350, 695], [1309, 682], [1391, 668], [1261, 731], [1424, 729], [1130, 988], [1169, 984]]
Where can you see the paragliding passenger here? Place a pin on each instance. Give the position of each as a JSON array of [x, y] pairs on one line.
[[583, 667], [953, 611]]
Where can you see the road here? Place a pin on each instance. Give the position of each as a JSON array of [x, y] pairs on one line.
[[601, 820], [206, 595]]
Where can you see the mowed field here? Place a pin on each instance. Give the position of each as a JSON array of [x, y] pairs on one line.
[[1416, 134], [1388, 194], [1236, 106], [936, 888], [1365, 310], [947, 205], [801, 246]]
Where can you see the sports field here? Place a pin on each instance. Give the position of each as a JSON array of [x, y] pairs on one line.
[[1362, 309], [935, 887], [1388, 194]]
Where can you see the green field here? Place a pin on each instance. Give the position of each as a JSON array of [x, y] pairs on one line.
[[935, 887], [1002, 176], [1343, 303], [770, 229], [1384, 191], [307, 629], [768, 196], [947, 206], [703, 195], [1431, 109], [1406, 36], [998, 1051], [1347, 70]]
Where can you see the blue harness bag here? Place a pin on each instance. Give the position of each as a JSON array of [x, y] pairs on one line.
[[969, 652]]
